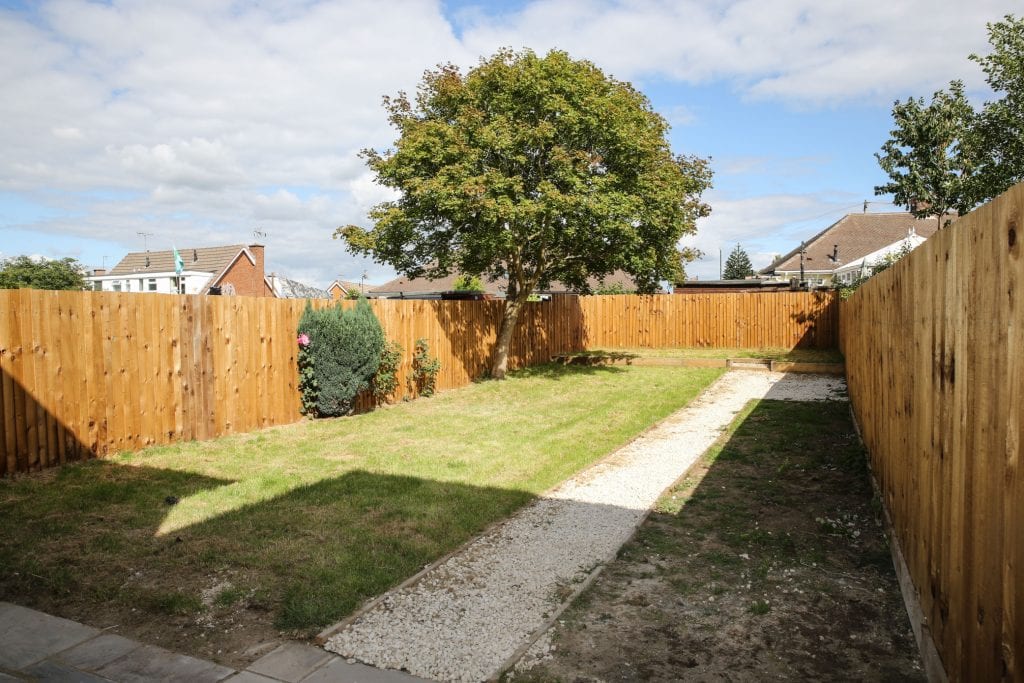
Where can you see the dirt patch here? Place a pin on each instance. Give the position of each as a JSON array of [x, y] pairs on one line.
[[768, 561]]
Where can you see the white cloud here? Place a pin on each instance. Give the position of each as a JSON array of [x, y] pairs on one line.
[[802, 51], [200, 121]]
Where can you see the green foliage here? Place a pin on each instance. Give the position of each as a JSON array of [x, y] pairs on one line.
[[535, 169], [341, 357], [1001, 122], [424, 369], [944, 155], [737, 266], [611, 288], [931, 154], [468, 283], [385, 382], [25, 272]]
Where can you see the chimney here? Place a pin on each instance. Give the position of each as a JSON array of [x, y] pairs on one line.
[[257, 253], [99, 271]]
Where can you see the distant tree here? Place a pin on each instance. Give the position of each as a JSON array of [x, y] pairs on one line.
[[535, 169], [26, 272], [468, 283], [945, 156], [737, 266]]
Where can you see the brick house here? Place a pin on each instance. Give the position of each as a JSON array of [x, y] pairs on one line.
[[235, 269]]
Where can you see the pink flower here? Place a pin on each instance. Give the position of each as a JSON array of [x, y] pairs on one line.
[[303, 340]]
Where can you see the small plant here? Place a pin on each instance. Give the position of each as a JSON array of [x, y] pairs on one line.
[[385, 382], [760, 608], [424, 369]]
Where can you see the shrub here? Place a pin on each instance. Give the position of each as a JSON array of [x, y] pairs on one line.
[[385, 382], [339, 352], [424, 369]]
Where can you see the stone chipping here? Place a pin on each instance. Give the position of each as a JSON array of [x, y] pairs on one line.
[[469, 616]]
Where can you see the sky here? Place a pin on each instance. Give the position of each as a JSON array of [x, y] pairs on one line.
[[133, 124]]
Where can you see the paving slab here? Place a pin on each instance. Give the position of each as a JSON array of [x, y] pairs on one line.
[[149, 663], [340, 671], [29, 636], [54, 672], [290, 662], [98, 652]]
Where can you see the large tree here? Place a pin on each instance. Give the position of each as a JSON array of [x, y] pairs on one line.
[[946, 156], [534, 168], [932, 155], [27, 272], [737, 266]]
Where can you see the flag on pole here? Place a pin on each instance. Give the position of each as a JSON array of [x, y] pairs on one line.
[[179, 263]]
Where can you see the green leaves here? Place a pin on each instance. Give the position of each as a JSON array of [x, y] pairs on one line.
[[25, 272], [945, 156], [532, 168], [536, 168], [340, 358]]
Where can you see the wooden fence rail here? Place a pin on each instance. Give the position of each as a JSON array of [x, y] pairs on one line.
[[89, 373], [934, 352]]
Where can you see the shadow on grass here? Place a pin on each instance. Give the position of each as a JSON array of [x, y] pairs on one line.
[[559, 370], [88, 540]]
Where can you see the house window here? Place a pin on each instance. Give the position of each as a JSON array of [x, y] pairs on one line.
[[142, 287], [151, 284], [115, 286]]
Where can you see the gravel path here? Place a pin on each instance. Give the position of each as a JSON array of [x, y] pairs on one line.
[[464, 619]]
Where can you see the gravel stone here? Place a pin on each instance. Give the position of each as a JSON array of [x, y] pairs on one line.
[[465, 618]]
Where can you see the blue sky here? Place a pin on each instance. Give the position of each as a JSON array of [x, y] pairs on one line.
[[199, 122]]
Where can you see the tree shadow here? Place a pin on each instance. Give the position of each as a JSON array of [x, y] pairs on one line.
[[820, 322], [32, 436]]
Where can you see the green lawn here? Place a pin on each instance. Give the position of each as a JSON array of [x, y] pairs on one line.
[[792, 355], [298, 525]]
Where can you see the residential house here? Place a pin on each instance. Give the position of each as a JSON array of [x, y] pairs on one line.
[[844, 249], [423, 288], [344, 289]]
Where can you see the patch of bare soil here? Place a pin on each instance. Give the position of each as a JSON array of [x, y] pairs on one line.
[[768, 561]]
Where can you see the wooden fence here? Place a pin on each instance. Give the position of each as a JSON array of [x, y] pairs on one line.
[[934, 352], [89, 373], [720, 320]]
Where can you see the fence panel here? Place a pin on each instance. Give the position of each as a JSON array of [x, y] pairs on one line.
[[84, 374], [935, 363]]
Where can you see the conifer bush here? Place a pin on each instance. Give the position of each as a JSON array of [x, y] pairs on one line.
[[339, 352]]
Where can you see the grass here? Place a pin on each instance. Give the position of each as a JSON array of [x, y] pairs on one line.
[[779, 354], [308, 521]]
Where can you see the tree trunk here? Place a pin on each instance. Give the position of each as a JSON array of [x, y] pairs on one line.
[[499, 364]]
